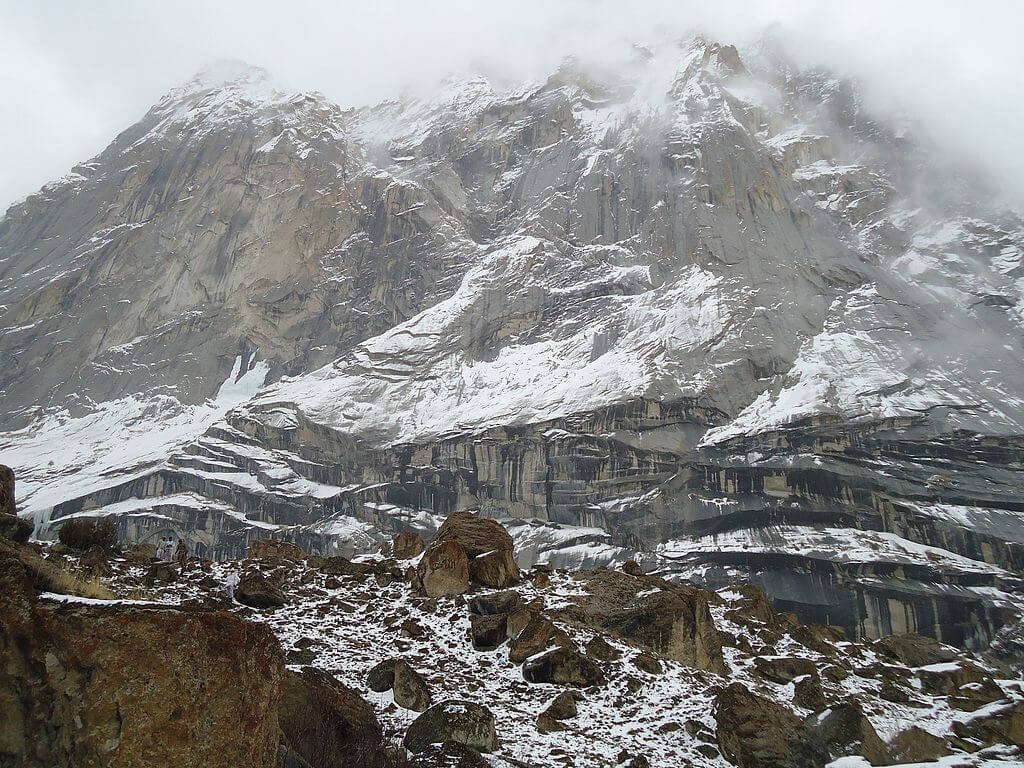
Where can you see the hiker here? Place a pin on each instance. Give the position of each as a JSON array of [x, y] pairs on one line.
[[169, 549], [230, 583], [160, 551], [181, 553]]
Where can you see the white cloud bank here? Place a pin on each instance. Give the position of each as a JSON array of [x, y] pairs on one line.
[[73, 74]]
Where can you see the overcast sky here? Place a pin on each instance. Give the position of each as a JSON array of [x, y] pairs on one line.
[[73, 74]]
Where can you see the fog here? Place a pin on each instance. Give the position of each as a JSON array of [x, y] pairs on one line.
[[73, 75]]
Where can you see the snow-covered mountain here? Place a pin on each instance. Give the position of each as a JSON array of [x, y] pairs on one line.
[[707, 311]]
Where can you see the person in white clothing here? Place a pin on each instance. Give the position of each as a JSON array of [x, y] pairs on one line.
[[230, 583]]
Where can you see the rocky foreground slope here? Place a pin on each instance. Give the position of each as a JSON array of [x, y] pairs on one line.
[[707, 312], [436, 657]]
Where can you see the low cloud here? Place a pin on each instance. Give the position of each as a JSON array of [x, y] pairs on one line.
[[74, 74]]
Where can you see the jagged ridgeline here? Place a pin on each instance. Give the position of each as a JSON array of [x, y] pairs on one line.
[[707, 312]]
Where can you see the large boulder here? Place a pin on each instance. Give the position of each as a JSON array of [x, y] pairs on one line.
[[783, 670], [410, 689], [494, 603], [328, 724], [564, 666], [407, 545], [276, 551], [915, 745], [11, 526], [450, 754], [255, 591], [914, 650], [844, 730], [7, 505], [125, 686], [754, 732], [476, 535], [444, 569], [488, 632], [485, 547], [999, 725], [673, 621], [497, 569], [464, 722], [538, 635]]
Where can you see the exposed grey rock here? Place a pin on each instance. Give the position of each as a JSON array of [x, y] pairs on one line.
[[731, 323]]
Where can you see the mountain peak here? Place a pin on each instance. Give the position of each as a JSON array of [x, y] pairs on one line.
[[228, 72]]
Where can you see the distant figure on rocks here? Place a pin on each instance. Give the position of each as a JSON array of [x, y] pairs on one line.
[[181, 553], [169, 549], [230, 583], [160, 550]]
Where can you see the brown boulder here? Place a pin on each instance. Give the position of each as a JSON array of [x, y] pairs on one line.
[[539, 634], [564, 666], [674, 622], [494, 603], [753, 603], [255, 591], [7, 503], [407, 545], [969, 687], [564, 706], [276, 550], [807, 693], [914, 650], [328, 724], [464, 722], [161, 571], [495, 569], [444, 569], [784, 670], [844, 730], [917, 746], [381, 676], [600, 649], [1004, 725], [754, 732], [411, 691], [488, 632], [450, 754], [476, 535], [342, 566], [122, 686], [11, 526]]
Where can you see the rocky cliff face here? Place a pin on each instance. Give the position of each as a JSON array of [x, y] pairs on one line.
[[709, 310]]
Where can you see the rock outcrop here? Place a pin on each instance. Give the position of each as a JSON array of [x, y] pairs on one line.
[[86, 684], [328, 724], [460, 721], [754, 732]]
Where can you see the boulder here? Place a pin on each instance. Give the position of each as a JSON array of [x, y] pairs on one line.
[[15, 528], [255, 591], [754, 732], [161, 571], [382, 676], [476, 535], [807, 693], [411, 691], [784, 670], [547, 724], [1000, 725], [497, 569], [494, 603], [125, 686], [674, 621], [844, 730], [488, 632], [564, 666], [914, 650], [538, 635], [276, 550], [7, 497], [342, 566], [968, 686], [96, 562], [11, 526], [753, 604], [328, 724], [464, 722], [407, 545], [449, 754], [444, 569], [142, 553], [599, 648], [563, 707], [915, 745]]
